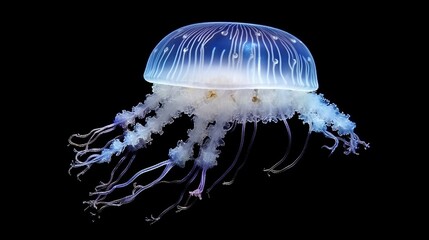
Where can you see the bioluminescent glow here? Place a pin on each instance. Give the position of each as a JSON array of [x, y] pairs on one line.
[[220, 74]]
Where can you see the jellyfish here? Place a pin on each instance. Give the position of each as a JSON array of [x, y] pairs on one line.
[[220, 75]]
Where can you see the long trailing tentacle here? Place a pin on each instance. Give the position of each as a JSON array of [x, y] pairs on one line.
[[80, 153], [132, 179], [294, 162], [181, 153], [177, 157], [252, 140], [188, 204], [288, 148], [92, 136], [100, 205], [111, 182], [79, 163], [190, 201], [191, 176], [133, 139], [86, 156], [182, 180], [123, 119], [234, 162]]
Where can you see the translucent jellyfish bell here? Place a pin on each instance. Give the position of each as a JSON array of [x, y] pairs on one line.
[[220, 74], [224, 55]]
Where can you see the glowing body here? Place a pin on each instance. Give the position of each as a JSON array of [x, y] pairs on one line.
[[269, 82], [232, 56]]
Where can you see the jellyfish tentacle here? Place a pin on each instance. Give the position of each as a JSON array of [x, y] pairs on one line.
[[80, 153], [191, 176], [132, 179], [316, 110], [187, 205], [124, 119], [181, 153], [209, 153], [294, 162], [177, 157], [197, 192], [92, 136], [140, 136], [139, 188], [333, 137], [136, 138], [182, 180], [288, 148], [81, 172], [237, 156], [86, 164], [353, 144], [114, 146], [184, 149], [112, 181], [127, 118], [252, 140], [100, 205]]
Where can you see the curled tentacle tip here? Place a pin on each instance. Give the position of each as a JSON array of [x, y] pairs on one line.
[[152, 219], [181, 208], [331, 149], [228, 183], [272, 171], [78, 176], [328, 147], [268, 171]]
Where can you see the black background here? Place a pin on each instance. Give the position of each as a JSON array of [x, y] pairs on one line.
[[97, 55]]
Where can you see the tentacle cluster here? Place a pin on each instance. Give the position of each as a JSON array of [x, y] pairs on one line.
[[214, 113]]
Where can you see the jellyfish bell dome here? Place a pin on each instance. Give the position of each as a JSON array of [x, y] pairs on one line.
[[231, 55]]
